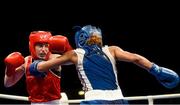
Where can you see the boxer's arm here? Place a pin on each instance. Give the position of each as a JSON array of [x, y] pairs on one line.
[[121, 55], [68, 57], [14, 68], [167, 77], [12, 80]]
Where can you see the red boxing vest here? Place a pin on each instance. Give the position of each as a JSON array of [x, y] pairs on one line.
[[42, 89]]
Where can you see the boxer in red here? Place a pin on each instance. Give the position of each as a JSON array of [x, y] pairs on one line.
[[42, 87]]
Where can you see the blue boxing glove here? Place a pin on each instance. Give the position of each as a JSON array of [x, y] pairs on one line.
[[33, 69], [168, 78]]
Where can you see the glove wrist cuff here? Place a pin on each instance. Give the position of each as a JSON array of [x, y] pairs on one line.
[[155, 69]]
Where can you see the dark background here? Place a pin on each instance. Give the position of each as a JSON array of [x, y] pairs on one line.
[[149, 29]]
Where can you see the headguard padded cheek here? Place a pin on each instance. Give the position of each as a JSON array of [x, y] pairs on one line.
[[80, 38]]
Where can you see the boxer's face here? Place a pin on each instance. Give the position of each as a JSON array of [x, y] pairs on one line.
[[94, 39], [42, 50]]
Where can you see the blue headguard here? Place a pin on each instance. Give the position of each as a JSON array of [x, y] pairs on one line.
[[84, 33]]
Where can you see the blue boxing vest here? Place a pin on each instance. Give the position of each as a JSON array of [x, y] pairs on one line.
[[96, 69]]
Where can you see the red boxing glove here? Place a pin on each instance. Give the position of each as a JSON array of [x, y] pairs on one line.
[[59, 44], [13, 61]]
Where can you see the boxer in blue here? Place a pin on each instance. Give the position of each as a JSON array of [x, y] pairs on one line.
[[96, 67]]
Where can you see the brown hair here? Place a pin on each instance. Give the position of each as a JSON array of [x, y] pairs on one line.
[[94, 39]]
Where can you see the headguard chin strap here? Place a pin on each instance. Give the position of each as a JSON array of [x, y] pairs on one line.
[[84, 33]]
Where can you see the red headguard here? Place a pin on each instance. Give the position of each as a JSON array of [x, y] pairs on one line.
[[38, 37]]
